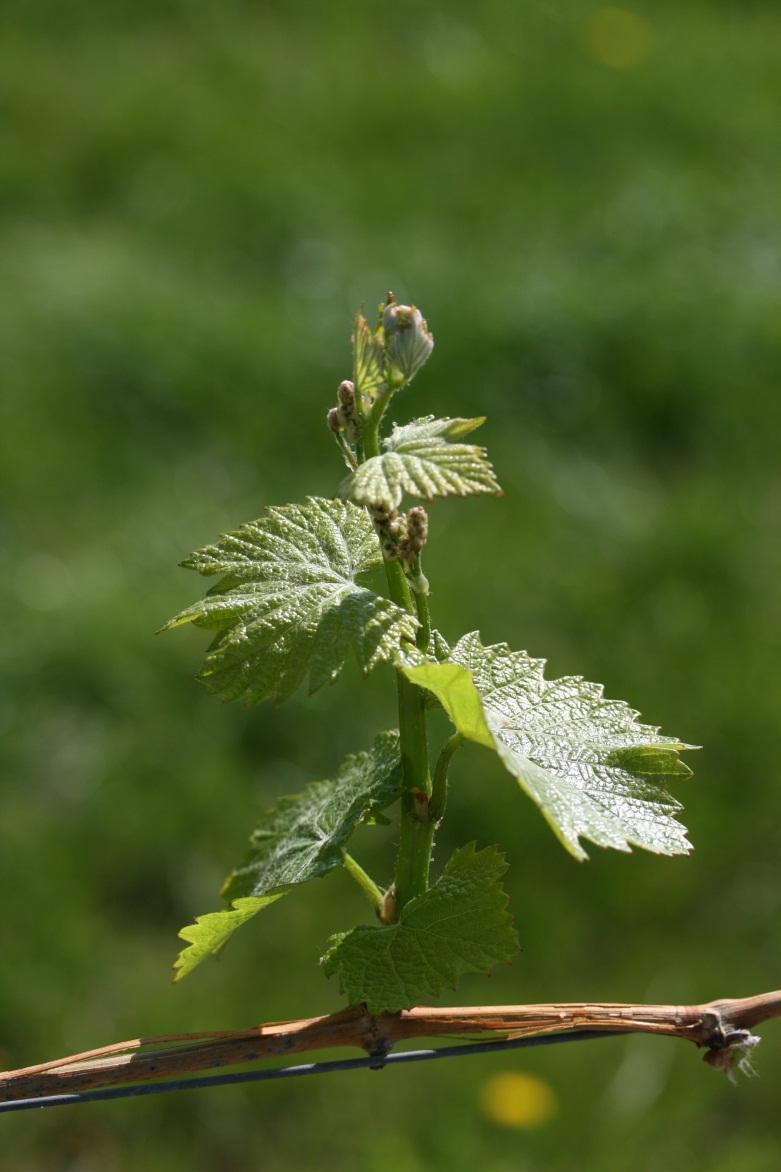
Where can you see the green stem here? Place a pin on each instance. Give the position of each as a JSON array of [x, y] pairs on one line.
[[374, 419], [417, 830], [364, 881], [420, 594], [370, 431], [439, 784]]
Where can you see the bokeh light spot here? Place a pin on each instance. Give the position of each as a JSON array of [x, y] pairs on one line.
[[514, 1099], [618, 37]]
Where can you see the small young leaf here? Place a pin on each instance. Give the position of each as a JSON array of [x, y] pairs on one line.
[[210, 933], [439, 648], [587, 762], [299, 838], [459, 925], [420, 460], [289, 604], [368, 372]]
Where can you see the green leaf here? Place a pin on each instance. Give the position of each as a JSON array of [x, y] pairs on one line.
[[300, 838], [459, 925], [420, 460], [587, 762], [210, 933], [439, 647], [368, 366], [289, 604]]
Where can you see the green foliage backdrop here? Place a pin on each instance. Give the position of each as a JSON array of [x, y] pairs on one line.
[[194, 200]]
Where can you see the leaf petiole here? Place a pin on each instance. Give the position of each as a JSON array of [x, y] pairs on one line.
[[375, 894], [439, 782]]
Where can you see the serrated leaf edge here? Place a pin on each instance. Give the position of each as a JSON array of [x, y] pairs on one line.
[[393, 446], [240, 911], [479, 730], [469, 850]]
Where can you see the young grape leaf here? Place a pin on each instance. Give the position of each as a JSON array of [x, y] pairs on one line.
[[439, 648], [594, 771], [210, 933], [459, 925], [419, 459], [368, 368], [300, 838], [289, 604]]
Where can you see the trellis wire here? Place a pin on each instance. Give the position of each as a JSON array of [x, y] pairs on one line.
[[372, 1063]]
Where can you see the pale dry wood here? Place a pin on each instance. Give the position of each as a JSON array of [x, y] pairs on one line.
[[721, 1026]]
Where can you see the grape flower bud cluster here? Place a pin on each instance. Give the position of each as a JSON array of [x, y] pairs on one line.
[[408, 340]]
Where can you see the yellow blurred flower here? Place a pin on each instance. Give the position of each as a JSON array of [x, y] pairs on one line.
[[618, 37], [514, 1099]]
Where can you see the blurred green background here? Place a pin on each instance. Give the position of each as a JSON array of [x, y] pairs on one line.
[[195, 198]]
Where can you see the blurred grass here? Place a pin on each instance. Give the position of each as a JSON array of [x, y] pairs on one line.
[[194, 199]]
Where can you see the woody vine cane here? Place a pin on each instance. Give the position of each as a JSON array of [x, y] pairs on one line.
[[723, 1027]]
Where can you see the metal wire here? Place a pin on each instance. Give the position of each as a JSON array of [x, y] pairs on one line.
[[375, 1063]]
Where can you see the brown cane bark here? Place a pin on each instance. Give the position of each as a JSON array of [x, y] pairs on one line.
[[718, 1025]]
